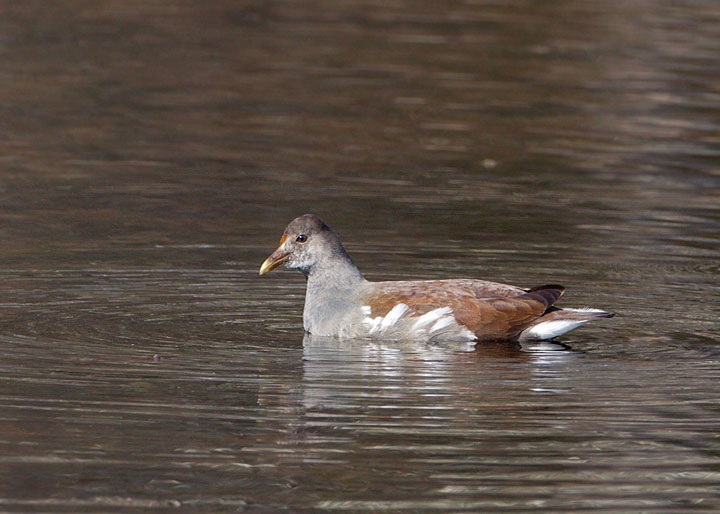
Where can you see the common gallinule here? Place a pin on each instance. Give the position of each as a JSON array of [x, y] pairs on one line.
[[340, 302]]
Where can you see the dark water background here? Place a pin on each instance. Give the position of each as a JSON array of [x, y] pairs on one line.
[[152, 152]]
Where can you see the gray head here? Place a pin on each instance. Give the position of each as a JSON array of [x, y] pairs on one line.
[[306, 244]]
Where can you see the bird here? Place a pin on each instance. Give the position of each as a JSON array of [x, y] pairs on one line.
[[341, 303]]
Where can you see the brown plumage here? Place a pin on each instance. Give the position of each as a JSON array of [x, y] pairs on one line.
[[340, 302], [490, 311]]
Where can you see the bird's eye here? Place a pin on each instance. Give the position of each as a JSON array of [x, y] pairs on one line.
[[301, 238]]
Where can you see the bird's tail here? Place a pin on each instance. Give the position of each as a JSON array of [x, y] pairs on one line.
[[556, 322]]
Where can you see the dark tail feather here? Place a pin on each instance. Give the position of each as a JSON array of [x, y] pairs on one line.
[[546, 294]]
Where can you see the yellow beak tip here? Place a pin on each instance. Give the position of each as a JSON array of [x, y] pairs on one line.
[[272, 262], [266, 266]]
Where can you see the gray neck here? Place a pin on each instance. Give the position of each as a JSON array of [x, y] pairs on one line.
[[332, 292], [335, 273]]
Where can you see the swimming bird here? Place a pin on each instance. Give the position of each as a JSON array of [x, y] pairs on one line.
[[340, 302]]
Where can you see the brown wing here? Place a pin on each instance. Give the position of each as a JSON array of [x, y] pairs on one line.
[[455, 287], [490, 317], [505, 318]]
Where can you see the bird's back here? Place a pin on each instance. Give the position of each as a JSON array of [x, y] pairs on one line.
[[491, 311]]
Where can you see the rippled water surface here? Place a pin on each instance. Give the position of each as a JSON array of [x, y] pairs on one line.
[[151, 154]]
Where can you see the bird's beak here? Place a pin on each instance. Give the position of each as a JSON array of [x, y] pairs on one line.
[[277, 258]]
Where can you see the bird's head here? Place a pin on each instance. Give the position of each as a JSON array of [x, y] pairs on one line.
[[306, 242]]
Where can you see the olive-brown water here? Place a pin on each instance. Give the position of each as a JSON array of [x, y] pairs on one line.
[[151, 154]]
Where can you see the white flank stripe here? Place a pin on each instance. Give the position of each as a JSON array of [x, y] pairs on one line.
[[401, 323], [374, 324], [442, 323], [394, 315], [431, 317]]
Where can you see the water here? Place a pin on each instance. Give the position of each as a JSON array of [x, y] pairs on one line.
[[152, 153]]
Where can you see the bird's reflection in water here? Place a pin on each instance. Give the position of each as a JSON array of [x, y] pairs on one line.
[[345, 373]]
